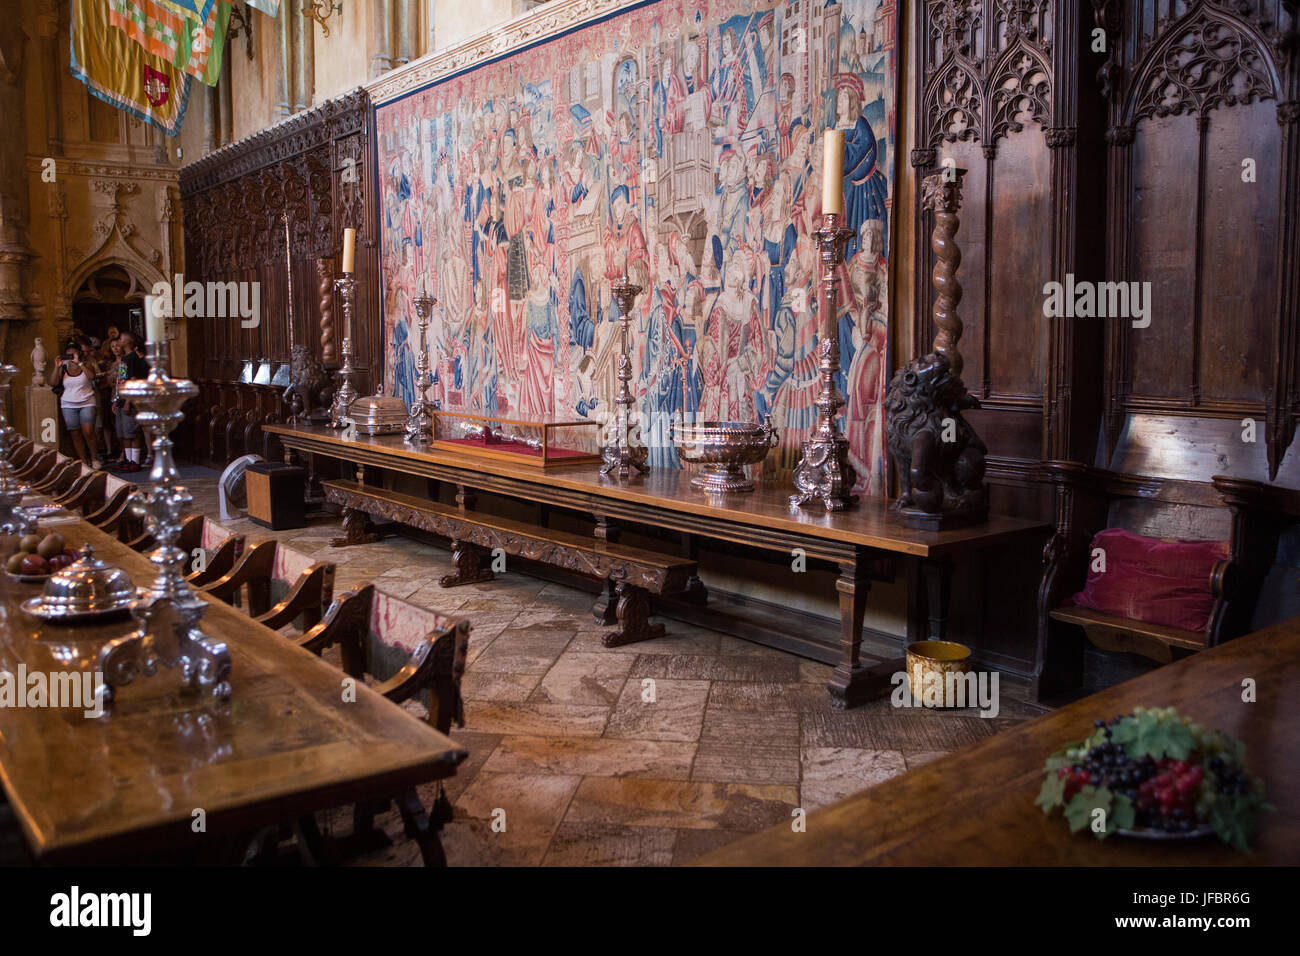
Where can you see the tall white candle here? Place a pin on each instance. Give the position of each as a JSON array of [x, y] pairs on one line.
[[833, 172], [155, 324]]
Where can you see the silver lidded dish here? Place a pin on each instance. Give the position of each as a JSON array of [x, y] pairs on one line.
[[87, 589], [722, 449], [379, 414]]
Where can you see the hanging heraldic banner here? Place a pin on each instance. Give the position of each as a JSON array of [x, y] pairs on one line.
[[681, 143], [118, 70]]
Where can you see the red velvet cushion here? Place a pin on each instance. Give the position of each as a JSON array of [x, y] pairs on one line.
[[1157, 580]]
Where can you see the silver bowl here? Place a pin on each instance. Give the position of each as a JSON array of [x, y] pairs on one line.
[[722, 450], [86, 588]]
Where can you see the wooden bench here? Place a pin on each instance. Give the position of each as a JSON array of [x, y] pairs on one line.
[[309, 586], [1249, 515], [631, 574]]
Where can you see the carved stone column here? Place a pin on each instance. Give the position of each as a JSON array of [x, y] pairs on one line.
[[284, 68], [381, 53], [304, 58], [407, 32], [15, 208], [47, 26]]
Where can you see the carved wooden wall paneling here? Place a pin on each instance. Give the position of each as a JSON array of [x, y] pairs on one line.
[[1000, 96], [1195, 88], [315, 167], [1008, 91]]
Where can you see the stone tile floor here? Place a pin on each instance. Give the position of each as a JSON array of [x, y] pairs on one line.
[[650, 754]]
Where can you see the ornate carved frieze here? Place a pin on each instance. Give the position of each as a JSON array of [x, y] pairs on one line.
[[311, 129], [545, 21]]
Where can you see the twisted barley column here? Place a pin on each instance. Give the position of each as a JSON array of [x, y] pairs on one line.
[[941, 194], [325, 293]]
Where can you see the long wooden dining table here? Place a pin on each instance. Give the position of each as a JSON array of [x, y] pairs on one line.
[[976, 807], [162, 769]]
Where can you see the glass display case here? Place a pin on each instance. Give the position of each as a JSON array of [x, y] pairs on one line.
[[539, 444]]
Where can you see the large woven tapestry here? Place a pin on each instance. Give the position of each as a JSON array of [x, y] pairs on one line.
[[680, 143]]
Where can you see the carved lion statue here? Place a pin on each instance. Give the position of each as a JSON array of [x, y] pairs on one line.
[[309, 385], [940, 459]]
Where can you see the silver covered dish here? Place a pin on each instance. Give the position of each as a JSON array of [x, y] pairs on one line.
[[86, 589], [722, 449], [379, 414]]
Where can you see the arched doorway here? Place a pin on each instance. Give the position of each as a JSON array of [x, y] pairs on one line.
[[109, 299]]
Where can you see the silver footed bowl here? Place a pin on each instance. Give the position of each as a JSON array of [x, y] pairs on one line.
[[88, 586], [722, 450]]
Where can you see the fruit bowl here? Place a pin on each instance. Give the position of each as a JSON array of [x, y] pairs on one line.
[[1155, 775], [29, 578]]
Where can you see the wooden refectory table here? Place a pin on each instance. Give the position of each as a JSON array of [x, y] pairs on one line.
[[286, 744], [860, 542], [976, 807]]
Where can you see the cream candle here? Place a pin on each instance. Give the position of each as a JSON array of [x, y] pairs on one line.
[[833, 172], [155, 323], [350, 247]]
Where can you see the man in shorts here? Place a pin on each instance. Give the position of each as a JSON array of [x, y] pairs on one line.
[[130, 366]]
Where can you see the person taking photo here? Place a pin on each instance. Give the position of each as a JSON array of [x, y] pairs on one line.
[[76, 374]]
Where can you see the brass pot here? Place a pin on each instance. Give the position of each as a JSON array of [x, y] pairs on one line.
[[722, 450], [939, 658]]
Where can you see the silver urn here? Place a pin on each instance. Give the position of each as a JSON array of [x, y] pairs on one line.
[[722, 450]]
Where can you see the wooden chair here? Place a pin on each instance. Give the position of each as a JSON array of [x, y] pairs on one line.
[[21, 453], [222, 548], [1248, 515], [401, 650], [114, 509], [59, 479], [86, 494], [37, 466], [268, 568]]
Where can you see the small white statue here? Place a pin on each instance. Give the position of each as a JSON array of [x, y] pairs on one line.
[[39, 361]]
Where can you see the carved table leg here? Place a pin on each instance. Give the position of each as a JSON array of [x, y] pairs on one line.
[[354, 530], [633, 615], [466, 498], [695, 591], [605, 610], [471, 563], [853, 681], [938, 590]]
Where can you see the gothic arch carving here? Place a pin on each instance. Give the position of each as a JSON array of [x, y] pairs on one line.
[[977, 96], [1020, 82], [1209, 60]]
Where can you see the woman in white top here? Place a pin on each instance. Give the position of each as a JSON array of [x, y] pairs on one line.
[[79, 403]]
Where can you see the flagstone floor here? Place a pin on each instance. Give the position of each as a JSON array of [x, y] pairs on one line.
[[589, 766]]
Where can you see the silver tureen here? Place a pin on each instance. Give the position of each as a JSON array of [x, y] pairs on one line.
[[722, 449]]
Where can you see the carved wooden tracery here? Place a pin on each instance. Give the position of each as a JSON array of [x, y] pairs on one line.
[[983, 72], [1213, 60]]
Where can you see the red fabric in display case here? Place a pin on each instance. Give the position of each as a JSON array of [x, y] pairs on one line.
[[1157, 580]]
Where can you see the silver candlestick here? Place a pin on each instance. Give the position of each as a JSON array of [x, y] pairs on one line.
[[419, 425], [11, 490], [168, 610], [347, 392], [824, 474], [626, 452]]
